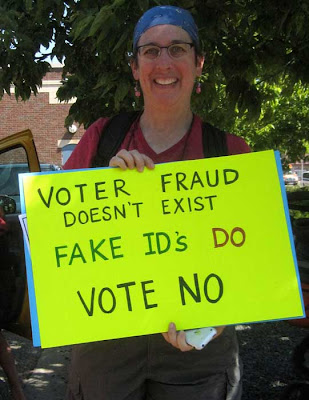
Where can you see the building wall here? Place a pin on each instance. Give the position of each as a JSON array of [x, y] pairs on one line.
[[44, 116]]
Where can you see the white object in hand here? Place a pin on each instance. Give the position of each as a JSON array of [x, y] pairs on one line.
[[198, 338]]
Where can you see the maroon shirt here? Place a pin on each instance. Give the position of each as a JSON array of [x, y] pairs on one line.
[[189, 147], [154, 357]]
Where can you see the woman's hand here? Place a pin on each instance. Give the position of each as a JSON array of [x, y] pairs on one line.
[[219, 330], [178, 338], [131, 159]]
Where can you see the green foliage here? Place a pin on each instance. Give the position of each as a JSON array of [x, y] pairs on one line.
[[296, 214], [24, 27], [283, 123], [256, 61]]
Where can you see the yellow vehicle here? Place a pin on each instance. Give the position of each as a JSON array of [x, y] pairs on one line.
[[18, 149]]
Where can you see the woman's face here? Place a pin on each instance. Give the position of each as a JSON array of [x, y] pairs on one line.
[[167, 81]]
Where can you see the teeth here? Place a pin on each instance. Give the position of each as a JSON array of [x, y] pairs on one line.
[[166, 81]]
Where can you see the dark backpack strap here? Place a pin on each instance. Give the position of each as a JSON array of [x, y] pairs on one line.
[[112, 136], [214, 141], [114, 132]]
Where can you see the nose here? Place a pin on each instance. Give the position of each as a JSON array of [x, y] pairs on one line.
[[164, 57]]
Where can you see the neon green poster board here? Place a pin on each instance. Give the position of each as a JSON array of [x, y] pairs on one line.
[[121, 253]]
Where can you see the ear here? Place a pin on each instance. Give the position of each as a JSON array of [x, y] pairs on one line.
[[134, 69], [199, 65]]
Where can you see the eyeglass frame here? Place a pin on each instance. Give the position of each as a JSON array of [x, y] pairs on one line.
[[163, 47]]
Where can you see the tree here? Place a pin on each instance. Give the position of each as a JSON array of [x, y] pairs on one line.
[[25, 25], [283, 124], [249, 45]]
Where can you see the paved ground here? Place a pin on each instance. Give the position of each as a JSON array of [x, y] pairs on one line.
[[43, 372], [266, 351]]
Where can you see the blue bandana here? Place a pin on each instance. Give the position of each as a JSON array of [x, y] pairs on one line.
[[166, 15]]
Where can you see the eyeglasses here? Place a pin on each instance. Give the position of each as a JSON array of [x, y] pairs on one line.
[[175, 50]]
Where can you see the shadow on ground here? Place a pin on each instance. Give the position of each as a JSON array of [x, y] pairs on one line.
[[266, 350]]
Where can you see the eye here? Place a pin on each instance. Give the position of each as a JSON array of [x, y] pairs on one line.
[[177, 50], [150, 51]]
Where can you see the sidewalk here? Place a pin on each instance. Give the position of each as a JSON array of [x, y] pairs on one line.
[[43, 372], [266, 350], [48, 380]]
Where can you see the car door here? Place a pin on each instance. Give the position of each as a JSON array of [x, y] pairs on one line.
[[305, 178], [17, 155]]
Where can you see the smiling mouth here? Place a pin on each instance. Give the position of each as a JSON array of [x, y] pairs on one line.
[[166, 81]]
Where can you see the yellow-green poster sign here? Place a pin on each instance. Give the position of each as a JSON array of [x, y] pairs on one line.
[[121, 253]]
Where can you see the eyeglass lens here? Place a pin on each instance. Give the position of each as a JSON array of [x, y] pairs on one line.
[[174, 50]]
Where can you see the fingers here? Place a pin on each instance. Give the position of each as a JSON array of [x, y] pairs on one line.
[[131, 159], [219, 330], [181, 342], [176, 339]]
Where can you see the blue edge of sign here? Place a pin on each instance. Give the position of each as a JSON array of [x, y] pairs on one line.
[[32, 300], [288, 221], [36, 340]]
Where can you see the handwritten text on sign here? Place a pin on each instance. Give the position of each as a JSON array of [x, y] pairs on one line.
[[199, 243]]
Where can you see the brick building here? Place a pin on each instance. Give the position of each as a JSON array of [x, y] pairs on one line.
[[44, 115]]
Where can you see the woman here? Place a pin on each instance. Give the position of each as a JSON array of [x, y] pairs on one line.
[[166, 63], [7, 361]]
